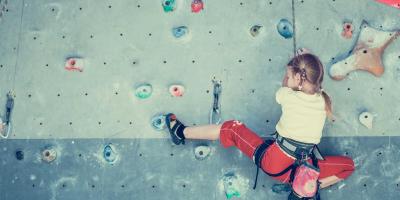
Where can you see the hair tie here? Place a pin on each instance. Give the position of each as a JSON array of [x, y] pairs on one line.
[[303, 73]]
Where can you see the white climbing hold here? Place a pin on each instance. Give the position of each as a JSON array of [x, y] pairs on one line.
[[202, 152], [49, 155], [366, 119]]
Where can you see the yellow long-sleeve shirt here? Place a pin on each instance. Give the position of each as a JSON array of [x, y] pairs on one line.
[[303, 115]]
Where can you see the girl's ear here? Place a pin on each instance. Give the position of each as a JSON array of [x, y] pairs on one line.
[[297, 77]]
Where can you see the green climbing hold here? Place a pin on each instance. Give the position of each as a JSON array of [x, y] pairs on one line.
[[144, 91], [231, 185], [168, 5]]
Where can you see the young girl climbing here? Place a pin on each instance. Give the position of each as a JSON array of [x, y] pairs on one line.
[[305, 107]]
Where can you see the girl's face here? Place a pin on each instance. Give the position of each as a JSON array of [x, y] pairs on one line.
[[293, 80]]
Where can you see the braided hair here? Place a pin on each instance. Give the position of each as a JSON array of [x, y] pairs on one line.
[[311, 70]]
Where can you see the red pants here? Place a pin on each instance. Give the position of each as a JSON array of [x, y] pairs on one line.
[[235, 133]]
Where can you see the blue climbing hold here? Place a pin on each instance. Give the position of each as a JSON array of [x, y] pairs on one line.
[[285, 28], [180, 31], [158, 122], [109, 154], [19, 155]]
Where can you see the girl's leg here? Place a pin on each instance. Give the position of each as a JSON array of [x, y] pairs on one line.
[[208, 132], [328, 181], [334, 169], [230, 133]]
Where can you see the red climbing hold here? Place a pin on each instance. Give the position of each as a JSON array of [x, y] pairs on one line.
[[394, 3], [176, 90], [197, 6], [347, 30], [74, 64]]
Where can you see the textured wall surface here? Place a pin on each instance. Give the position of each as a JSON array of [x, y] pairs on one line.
[[125, 43]]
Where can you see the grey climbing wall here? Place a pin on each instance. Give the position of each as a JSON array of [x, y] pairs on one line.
[[126, 43]]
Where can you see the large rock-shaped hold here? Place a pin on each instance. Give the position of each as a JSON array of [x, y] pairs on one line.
[[366, 54]]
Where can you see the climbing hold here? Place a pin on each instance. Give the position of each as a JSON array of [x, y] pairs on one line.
[[366, 54], [158, 122], [109, 154], [19, 154], [168, 5], [255, 30], [394, 3], [144, 91], [347, 30], [202, 152], [74, 64], [49, 154], [176, 90], [231, 185], [180, 31], [197, 6], [366, 119], [285, 28]]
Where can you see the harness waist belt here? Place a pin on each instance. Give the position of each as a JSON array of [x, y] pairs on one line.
[[294, 148]]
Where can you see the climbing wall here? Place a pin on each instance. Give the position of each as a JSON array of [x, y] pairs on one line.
[[75, 109]]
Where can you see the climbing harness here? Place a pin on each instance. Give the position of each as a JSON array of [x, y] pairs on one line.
[[7, 119], [300, 168], [215, 114]]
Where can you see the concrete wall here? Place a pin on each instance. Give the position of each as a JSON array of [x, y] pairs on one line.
[[125, 43]]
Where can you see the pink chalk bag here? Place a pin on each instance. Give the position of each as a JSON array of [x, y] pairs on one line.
[[305, 184]]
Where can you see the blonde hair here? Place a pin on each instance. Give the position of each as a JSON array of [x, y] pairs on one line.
[[311, 69]]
